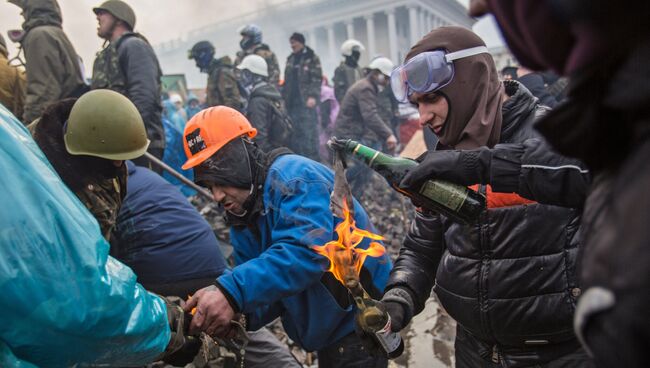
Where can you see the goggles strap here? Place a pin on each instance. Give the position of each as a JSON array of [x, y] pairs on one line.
[[465, 53]]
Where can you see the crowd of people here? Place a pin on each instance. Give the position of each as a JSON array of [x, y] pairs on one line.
[[104, 262]]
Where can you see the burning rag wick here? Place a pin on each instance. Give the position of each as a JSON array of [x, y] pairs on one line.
[[345, 258]]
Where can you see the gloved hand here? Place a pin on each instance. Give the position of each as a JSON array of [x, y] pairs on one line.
[[400, 314], [181, 349], [395, 310], [459, 167]]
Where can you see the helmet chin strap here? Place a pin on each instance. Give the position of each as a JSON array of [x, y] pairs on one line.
[[250, 175]]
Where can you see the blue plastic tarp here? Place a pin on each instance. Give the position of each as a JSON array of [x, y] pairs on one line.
[[174, 156], [64, 301]]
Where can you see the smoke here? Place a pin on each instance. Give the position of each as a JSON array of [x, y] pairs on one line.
[[157, 20]]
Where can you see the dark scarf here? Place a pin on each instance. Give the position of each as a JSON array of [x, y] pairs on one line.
[[474, 95], [606, 114]]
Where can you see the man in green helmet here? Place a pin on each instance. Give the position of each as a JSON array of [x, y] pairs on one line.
[[128, 65], [87, 140]]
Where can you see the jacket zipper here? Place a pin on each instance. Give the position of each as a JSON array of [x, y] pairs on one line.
[[483, 267]]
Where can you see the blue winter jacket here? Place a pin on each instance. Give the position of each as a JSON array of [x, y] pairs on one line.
[[161, 236], [278, 274]]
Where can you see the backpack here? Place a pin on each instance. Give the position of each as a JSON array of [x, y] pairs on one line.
[[281, 127]]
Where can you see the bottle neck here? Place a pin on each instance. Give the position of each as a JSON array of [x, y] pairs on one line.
[[368, 155]]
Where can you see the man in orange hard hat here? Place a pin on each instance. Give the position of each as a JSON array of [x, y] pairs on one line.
[[278, 206]]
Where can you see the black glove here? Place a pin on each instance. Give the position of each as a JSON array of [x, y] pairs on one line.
[[460, 167], [370, 344], [399, 304]]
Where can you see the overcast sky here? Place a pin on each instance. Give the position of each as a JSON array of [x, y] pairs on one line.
[[161, 20]]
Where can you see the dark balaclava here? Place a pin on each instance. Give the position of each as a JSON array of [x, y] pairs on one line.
[[475, 93], [353, 60], [241, 164]]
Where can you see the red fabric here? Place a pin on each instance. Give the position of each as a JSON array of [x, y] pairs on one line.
[[498, 200], [407, 129]]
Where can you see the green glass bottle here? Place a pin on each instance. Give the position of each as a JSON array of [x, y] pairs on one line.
[[373, 318], [456, 202]]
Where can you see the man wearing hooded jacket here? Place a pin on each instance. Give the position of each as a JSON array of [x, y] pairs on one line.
[[510, 279], [278, 206], [53, 67]]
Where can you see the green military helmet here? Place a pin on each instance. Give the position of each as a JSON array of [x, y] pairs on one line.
[[120, 10], [105, 124]]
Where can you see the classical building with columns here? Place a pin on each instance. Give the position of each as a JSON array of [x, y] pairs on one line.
[[385, 27]]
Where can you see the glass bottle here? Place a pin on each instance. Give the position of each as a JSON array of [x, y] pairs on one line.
[[454, 201], [375, 321]]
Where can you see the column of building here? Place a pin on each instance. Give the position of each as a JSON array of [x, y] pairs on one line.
[[421, 21]]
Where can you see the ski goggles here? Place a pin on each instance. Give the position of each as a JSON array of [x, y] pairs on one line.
[[427, 72]]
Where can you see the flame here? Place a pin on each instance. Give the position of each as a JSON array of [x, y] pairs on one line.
[[345, 258]]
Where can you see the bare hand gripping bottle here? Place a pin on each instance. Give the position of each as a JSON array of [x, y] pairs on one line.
[[456, 202]]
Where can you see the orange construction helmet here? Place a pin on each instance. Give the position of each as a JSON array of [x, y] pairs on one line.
[[211, 129]]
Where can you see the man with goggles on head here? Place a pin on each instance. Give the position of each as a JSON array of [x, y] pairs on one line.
[[509, 280]]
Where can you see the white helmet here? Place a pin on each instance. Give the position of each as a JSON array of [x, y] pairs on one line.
[[383, 64], [174, 98], [350, 45], [255, 64]]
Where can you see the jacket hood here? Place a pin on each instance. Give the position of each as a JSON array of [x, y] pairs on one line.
[[474, 94], [130, 166], [261, 46], [191, 96], [267, 91], [607, 93], [3, 47], [225, 60], [39, 13], [520, 104], [76, 171]]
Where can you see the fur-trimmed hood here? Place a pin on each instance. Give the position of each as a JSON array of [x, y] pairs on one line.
[[76, 171]]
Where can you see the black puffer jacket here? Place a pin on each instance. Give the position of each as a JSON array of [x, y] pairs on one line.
[[510, 280]]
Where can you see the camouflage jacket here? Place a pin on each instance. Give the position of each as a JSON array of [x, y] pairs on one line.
[[306, 73], [130, 66], [104, 199], [222, 85], [12, 86], [264, 51], [344, 77]]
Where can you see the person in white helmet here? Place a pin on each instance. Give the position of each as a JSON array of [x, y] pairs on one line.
[[359, 119], [266, 110], [349, 71]]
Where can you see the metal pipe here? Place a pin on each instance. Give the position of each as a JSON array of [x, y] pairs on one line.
[[202, 191]]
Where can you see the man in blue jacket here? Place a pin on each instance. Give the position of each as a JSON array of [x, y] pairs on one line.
[[277, 205], [174, 252]]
